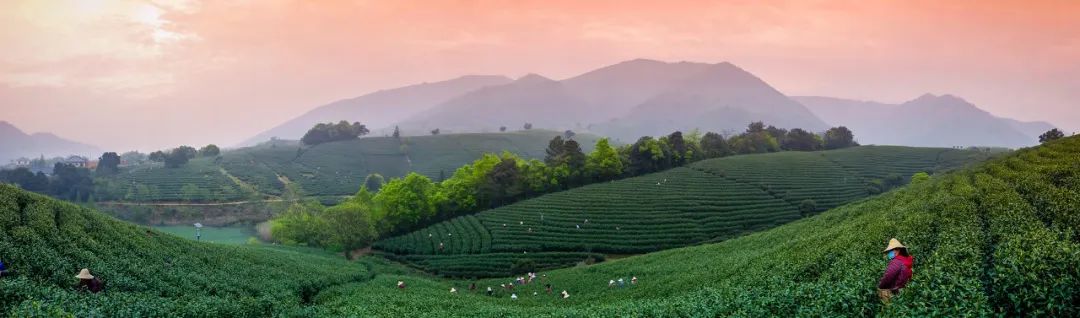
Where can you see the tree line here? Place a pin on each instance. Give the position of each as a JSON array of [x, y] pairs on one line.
[[413, 201], [180, 155]]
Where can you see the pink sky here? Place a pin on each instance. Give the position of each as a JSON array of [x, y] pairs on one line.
[[154, 74]]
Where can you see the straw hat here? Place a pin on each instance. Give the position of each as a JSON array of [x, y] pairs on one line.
[[894, 244], [84, 274]]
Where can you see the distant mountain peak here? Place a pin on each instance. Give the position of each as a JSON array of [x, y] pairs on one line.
[[533, 78]]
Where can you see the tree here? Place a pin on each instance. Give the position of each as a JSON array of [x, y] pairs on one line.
[[528, 126], [503, 183], [919, 177], [435, 132], [210, 150], [758, 142], [755, 127], [502, 128], [70, 182], [645, 156], [301, 224], [1051, 135], [157, 156], [678, 148], [186, 151], [26, 179], [839, 137], [714, 145], [133, 157], [397, 132], [779, 134], [373, 182], [327, 132], [572, 155], [568, 134], [407, 201], [603, 163], [350, 226], [801, 140], [109, 163], [177, 157], [554, 151]]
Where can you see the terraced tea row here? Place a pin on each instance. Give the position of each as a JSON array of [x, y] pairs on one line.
[[708, 201]]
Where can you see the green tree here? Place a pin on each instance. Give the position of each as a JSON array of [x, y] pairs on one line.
[[604, 163], [434, 131], [176, 158], [528, 126], [327, 132], [678, 148], [801, 140], [502, 128], [187, 151], [460, 188], [373, 182], [807, 207], [714, 145], [109, 163], [350, 226], [1051, 135], [397, 132], [919, 177], [554, 153], [157, 156], [503, 183], [839, 137], [407, 201], [301, 224], [645, 156], [210, 150]]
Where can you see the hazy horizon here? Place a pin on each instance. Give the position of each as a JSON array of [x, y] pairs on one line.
[[156, 74]]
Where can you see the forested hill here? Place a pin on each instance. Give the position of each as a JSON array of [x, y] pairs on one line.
[[709, 200], [329, 169]]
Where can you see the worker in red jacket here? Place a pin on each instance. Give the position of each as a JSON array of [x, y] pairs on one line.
[[897, 273]]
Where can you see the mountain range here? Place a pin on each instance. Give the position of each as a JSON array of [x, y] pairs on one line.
[[380, 109], [929, 120], [15, 143], [648, 97]]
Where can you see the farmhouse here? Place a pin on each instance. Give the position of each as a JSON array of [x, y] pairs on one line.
[[77, 161]]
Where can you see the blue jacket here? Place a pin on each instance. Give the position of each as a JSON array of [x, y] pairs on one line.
[[2, 268]]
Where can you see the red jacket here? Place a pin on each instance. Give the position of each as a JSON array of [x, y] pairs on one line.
[[897, 274]]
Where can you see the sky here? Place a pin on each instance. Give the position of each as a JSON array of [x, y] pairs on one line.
[[156, 74]]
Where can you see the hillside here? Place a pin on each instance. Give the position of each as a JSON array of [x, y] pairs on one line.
[[710, 200], [928, 121], [379, 109], [147, 273], [998, 239], [623, 101], [330, 169], [15, 143], [995, 239]]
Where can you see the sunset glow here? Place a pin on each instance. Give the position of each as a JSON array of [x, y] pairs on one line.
[[169, 65]]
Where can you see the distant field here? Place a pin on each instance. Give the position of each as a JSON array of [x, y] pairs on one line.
[[707, 201], [325, 170], [234, 235]]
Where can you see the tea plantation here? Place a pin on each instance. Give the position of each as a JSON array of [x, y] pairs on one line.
[[330, 169], [994, 239], [998, 239], [707, 201], [147, 273]]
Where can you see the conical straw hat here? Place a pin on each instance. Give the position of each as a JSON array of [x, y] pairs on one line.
[[894, 244], [84, 274]]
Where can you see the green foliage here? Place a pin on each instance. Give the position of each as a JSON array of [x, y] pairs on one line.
[[603, 163], [328, 132], [839, 137], [801, 140], [374, 182], [407, 201], [994, 240], [147, 273], [920, 177], [711, 200], [807, 207], [108, 163], [1051, 135], [210, 150]]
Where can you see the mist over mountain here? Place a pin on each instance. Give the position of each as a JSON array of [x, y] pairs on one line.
[[15, 143], [929, 120], [624, 101], [380, 109]]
